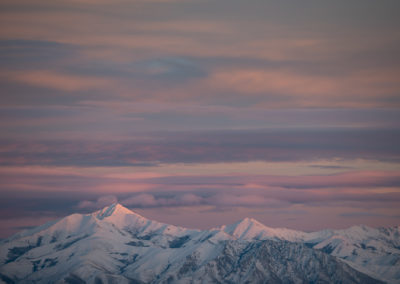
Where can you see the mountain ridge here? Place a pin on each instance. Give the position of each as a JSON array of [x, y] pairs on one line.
[[119, 243]]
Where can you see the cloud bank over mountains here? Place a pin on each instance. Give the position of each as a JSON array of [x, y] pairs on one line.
[[220, 110]]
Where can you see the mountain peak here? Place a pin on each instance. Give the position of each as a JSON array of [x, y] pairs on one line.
[[249, 228], [128, 244], [121, 217], [245, 228], [250, 221], [114, 209]]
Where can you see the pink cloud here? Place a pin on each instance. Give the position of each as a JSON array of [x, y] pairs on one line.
[[149, 200], [244, 200], [308, 90], [59, 81], [101, 202], [141, 200], [347, 179]]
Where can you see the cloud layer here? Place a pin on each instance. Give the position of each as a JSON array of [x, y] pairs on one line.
[[198, 113], [209, 147]]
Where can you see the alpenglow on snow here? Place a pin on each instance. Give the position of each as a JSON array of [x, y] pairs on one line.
[[117, 245]]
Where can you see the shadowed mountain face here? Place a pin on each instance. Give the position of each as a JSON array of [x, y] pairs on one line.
[[116, 245]]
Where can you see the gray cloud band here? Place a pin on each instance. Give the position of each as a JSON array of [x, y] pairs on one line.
[[210, 147]]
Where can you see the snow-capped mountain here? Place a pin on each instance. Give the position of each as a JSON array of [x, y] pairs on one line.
[[116, 245], [251, 229], [375, 251]]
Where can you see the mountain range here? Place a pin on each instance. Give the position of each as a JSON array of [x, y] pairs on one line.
[[117, 245]]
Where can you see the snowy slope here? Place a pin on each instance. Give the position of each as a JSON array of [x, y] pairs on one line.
[[106, 243], [116, 245], [249, 228], [375, 251]]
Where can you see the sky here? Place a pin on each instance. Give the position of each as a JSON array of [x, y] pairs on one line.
[[199, 113]]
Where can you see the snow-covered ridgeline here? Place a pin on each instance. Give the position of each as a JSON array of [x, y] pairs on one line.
[[117, 243]]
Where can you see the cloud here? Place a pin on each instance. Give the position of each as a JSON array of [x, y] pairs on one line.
[[244, 200], [101, 202], [178, 185], [145, 200], [27, 54], [58, 81], [16, 224], [59, 191], [308, 90], [303, 68], [330, 167], [148, 200], [173, 69], [362, 214], [253, 198], [125, 120], [209, 147]]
